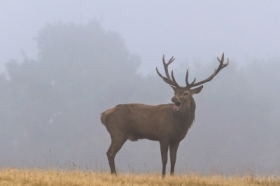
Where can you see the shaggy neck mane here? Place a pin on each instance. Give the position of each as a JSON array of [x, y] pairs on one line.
[[187, 118]]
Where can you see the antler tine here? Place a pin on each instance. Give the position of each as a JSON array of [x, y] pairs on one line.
[[187, 81], [167, 79], [169, 61], [173, 78], [220, 67], [166, 65]]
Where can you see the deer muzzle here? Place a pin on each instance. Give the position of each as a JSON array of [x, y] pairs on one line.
[[177, 103]]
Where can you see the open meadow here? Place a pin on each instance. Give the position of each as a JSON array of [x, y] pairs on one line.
[[39, 177]]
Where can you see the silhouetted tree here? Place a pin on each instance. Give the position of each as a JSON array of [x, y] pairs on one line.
[[55, 99]]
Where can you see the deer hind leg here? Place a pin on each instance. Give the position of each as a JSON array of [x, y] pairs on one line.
[[116, 144]]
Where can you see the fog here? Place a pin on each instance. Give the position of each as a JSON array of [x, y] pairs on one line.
[[64, 63]]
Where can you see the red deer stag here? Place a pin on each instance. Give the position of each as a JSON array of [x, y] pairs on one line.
[[166, 123]]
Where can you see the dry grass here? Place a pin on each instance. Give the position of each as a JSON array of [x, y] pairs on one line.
[[38, 177]]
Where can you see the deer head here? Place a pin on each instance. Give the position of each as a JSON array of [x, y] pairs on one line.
[[183, 95]]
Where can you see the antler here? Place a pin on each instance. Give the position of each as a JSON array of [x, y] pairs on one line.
[[171, 81], [220, 67], [167, 79]]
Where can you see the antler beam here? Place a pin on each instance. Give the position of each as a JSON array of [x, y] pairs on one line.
[[220, 67]]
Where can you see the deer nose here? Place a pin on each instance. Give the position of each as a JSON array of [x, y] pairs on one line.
[[174, 99]]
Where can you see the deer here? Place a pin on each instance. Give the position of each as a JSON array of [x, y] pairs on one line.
[[166, 123]]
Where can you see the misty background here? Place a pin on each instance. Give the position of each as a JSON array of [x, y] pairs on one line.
[[63, 63]]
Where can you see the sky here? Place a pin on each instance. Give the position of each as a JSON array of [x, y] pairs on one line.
[[189, 30]]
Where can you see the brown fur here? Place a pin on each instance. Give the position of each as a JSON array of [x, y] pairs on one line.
[[105, 114], [139, 121]]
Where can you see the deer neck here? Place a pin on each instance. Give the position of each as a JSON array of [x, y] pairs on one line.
[[186, 117]]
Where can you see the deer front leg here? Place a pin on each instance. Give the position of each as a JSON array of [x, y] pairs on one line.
[[164, 150], [173, 152]]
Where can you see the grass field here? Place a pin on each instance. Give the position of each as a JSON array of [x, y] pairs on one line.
[[39, 177]]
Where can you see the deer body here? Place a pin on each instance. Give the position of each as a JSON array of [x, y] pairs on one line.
[[155, 123], [166, 123]]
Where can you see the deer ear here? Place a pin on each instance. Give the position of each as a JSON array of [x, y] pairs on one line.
[[197, 90]]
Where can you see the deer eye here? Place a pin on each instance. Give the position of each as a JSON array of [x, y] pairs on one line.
[[185, 94]]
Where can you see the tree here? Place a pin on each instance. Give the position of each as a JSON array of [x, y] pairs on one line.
[[80, 70]]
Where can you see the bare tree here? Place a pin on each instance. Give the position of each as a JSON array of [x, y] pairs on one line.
[[166, 123]]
